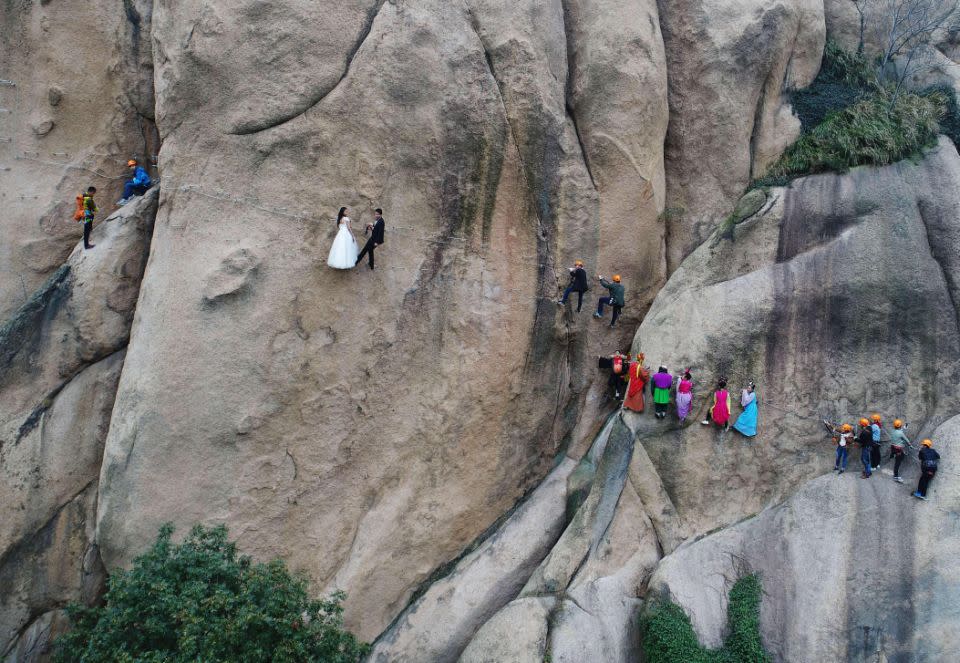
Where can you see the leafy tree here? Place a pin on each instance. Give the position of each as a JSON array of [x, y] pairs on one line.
[[202, 601]]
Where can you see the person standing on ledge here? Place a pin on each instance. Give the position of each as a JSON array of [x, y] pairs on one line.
[[684, 396], [89, 212], [639, 376], [875, 429], [615, 300], [578, 284], [844, 440], [746, 423], [376, 231], [865, 440], [929, 460], [898, 442], [661, 383], [720, 410]]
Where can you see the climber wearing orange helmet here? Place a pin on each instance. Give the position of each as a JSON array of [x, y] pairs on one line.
[[875, 430], [136, 186], [614, 301], [844, 440], [865, 440], [929, 460], [898, 440], [578, 284]]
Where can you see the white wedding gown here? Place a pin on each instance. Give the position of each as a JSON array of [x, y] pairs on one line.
[[343, 253]]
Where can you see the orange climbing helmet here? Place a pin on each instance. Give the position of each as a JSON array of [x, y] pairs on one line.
[[864, 422], [616, 278], [132, 163], [897, 423], [578, 263], [876, 418], [927, 443], [846, 428]]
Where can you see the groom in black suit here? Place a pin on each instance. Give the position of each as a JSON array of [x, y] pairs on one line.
[[376, 237]]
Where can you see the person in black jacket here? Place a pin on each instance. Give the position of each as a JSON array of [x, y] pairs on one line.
[[865, 440], [929, 459], [578, 284], [376, 237]]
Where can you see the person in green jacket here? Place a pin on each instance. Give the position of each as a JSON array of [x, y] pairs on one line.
[[614, 300], [89, 212]]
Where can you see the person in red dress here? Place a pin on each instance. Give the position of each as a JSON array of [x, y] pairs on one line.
[[639, 376]]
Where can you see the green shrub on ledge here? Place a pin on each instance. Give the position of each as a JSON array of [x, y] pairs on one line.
[[202, 601], [878, 130], [667, 636]]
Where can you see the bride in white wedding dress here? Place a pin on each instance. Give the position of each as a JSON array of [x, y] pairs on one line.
[[343, 253]]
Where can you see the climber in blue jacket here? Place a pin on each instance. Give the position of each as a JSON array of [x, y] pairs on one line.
[[137, 186]]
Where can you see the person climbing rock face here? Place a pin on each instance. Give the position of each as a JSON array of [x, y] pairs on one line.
[[865, 440], [639, 376], [661, 384], [616, 364], [898, 444], [929, 462], [577, 284], [376, 230], [138, 185], [720, 410], [684, 396], [746, 423], [875, 429], [844, 440], [614, 300], [89, 212]]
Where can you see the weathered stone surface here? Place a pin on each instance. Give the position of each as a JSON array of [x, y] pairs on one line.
[[886, 584], [729, 62], [518, 634], [367, 426], [87, 71], [62, 355], [838, 302], [438, 625]]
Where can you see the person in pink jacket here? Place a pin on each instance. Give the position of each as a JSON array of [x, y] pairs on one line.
[[720, 411]]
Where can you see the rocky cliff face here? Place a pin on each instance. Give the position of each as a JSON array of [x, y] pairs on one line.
[[433, 425]]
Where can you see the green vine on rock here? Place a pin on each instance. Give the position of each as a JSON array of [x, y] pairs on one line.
[[667, 636]]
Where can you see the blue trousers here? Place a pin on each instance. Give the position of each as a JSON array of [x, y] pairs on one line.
[[842, 454], [865, 459], [609, 302], [130, 189], [566, 293]]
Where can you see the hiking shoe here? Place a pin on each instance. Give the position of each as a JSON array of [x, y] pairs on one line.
[[923, 497], [705, 422], [842, 471], [898, 479], [597, 315], [123, 201]]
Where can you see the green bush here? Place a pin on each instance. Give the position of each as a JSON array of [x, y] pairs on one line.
[[202, 601], [878, 130], [950, 122], [667, 636]]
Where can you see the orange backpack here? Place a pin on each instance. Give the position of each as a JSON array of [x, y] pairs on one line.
[[78, 214]]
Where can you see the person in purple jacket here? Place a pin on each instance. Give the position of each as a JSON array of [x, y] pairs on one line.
[[660, 384]]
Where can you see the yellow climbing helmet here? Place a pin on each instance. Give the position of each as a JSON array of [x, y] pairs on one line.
[[927, 443], [897, 423], [616, 278]]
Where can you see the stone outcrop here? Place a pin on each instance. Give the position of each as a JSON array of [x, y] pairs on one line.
[[729, 65], [804, 279], [853, 570], [76, 93], [340, 420], [62, 354], [425, 436]]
